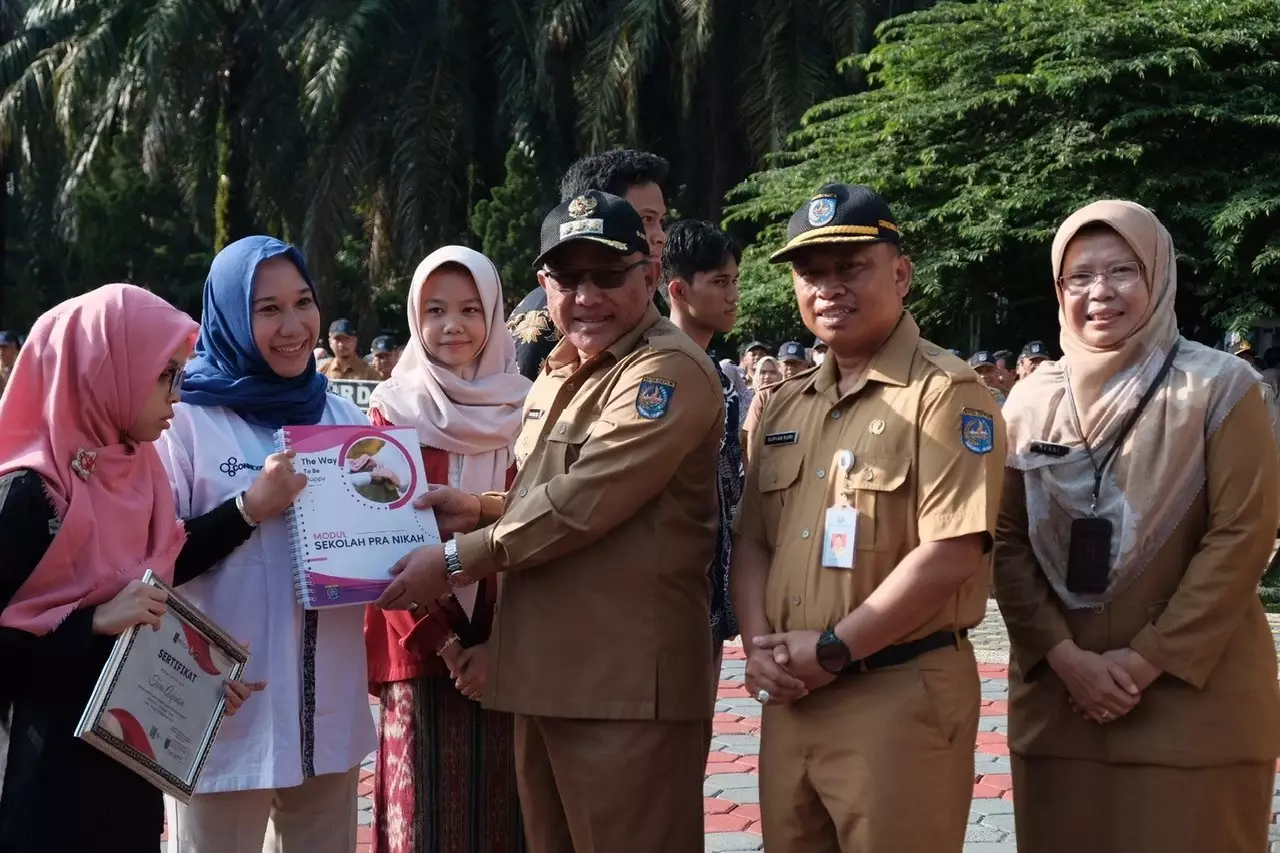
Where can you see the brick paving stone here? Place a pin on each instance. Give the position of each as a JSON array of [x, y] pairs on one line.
[[982, 833], [725, 842], [990, 806], [1002, 822], [731, 822]]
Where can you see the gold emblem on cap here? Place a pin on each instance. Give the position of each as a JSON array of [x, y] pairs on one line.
[[877, 426], [583, 205]]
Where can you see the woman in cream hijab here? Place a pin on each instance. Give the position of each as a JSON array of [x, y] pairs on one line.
[[1144, 713], [445, 780]]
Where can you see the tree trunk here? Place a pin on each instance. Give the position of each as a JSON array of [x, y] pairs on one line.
[[5, 168], [231, 217]]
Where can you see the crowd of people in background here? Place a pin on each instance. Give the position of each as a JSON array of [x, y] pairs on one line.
[[622, 504]]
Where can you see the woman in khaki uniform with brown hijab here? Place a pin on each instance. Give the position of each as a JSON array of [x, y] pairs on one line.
[[1144, 713]]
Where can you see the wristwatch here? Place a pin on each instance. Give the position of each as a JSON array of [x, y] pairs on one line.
[[833, 654], [453, 566]]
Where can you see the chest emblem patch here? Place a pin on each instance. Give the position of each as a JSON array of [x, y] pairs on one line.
[[654, 397], [977, 431]]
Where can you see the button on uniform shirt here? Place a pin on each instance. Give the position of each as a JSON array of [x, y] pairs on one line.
[[355, 368], [607, 534], [918, 450]]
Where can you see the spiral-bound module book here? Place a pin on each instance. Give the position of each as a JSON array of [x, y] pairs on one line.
[[355, 518]]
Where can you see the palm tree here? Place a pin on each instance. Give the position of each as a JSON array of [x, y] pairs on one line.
[[204, 83]]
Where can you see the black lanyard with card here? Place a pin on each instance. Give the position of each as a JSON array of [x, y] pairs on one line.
[[1089, 551]]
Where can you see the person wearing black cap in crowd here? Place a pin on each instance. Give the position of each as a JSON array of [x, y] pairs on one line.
[[636, 176], [605, 670], [793, 359], [1030, 357], [700, 283], [346, 362], [862, 555], [984, 364], [1005, 375], [383, 355], [818, 351], [751, 354]]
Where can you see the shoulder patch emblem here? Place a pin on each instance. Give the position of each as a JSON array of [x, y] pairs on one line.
[[654, 397], [977, 430], [531, 325]]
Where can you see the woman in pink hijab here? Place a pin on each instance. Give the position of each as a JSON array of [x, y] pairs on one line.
[[85, 510], [442, 759]]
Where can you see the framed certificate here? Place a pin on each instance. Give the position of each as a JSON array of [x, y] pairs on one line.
[[158, 704]]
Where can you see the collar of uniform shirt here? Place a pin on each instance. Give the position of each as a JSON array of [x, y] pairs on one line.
[[565, 355], [890, 365]]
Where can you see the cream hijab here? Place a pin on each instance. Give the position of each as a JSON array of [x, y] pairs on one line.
[[1154, 478], [474, 413]]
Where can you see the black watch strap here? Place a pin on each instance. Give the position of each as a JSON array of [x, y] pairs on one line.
[[833, 654]]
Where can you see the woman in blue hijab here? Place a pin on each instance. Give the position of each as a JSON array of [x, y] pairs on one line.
[[291, 766]]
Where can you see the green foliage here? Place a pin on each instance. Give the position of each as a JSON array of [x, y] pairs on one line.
[[990, 122], [508, 224]]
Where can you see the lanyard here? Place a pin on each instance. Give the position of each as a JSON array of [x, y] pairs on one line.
[[1124, 432]]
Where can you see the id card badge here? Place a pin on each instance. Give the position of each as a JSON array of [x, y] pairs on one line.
[[840, 537], [1089, 556]]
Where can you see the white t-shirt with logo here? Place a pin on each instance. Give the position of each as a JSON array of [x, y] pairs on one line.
[[313, 717]]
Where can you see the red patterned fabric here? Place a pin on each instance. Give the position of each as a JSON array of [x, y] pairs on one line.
[[399, 646]]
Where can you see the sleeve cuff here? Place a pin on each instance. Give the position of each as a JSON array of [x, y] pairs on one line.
[[1032, 655], [475, 554], [936, 527], [426, 633], [1150, 644]]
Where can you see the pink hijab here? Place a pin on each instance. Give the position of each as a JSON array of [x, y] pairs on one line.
[[81, 379], [476, 413]]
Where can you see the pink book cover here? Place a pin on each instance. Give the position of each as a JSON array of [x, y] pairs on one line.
[[355, 518]]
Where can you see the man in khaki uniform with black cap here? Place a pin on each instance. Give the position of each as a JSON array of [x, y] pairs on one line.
[[600, 646], [862, 555]]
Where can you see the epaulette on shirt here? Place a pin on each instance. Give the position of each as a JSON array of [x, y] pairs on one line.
[[955, 368]]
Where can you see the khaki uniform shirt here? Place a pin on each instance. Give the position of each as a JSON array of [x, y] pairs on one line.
[[336, 368], [926, 451], [607, 534]]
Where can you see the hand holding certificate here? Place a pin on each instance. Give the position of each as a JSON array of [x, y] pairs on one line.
[[162, 695]]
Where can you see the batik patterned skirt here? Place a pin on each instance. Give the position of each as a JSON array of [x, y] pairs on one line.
[[446, 780]]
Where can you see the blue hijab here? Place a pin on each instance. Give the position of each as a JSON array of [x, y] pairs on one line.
[[228, 370]]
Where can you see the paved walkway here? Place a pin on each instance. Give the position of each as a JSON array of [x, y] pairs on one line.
[[732, 797]]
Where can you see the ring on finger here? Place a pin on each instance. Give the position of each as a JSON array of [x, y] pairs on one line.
[[762, 697]]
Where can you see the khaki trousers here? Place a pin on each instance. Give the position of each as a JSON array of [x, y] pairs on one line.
[[318, 816], [611, 786], [876, 762]]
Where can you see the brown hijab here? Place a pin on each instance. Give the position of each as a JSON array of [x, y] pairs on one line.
[[1154, 478]]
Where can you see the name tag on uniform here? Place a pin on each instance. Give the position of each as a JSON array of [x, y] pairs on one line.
[[534, 415], [1048, 448], [775, 438], [840, 537]]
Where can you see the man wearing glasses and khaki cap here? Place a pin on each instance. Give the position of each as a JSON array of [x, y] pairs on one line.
[[600, 646]]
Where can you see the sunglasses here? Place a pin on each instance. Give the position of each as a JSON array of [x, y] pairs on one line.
[[605, 278]]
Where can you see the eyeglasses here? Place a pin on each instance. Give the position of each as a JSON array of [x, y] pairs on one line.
[[173, 374], [1122, 275], [605, 278]]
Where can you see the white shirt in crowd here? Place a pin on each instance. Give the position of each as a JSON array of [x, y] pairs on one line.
[[313, 717]]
